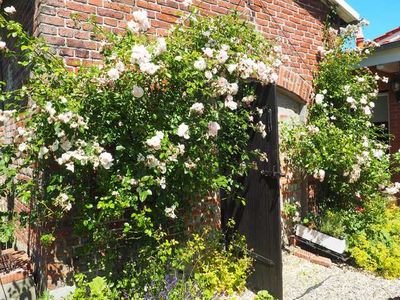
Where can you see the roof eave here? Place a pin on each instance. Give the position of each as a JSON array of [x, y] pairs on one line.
[[385, 54], [345, 11]]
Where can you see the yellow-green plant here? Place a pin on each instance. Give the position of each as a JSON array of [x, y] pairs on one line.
[[377, 248]]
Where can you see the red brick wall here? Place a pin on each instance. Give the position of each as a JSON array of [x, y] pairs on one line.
[[298, 23]]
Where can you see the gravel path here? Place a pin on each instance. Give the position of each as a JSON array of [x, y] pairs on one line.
[[303, 280]]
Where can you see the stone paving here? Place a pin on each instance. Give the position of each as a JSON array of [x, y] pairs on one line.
[[303, 280]]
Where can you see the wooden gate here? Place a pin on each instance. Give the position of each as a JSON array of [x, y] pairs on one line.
[[259, 219]]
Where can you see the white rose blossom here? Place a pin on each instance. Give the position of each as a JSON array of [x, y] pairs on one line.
[[140, 54], [197, 108], [183, 131], [152, 161], [161, 46], [66, 145], [208, 75], [208, 52], [259, 111], [200, 64], [3, 45], [42, 152], [106, 160], [313, 129], [378, 153], [222, 56], [170, 212], [137, 91], [229, 103], [213, 128], [133, 26], [187, 3], [163, 183], [149, 68], [319, 175], [140, 16], [49, 109], [22, 147], [181, 149], [21, 131], [392, 190], [234, 88], [10, 10], [62, 201], [260, 128], [231, 68], [70, 167], [319, 98], [248, 99], [155, 141], [54, 147], [65, 117], [113, 73], [367, 110]]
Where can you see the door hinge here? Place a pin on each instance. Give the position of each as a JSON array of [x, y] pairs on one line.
[[261, 259], [269, 120]]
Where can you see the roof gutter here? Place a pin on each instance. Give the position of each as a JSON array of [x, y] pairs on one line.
[[385, 54], [344, 10]]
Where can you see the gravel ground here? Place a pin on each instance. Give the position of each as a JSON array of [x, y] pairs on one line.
[[303, 280]]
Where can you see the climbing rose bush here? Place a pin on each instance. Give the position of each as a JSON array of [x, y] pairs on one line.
[[126, 148], [339, 146], [348, 157]]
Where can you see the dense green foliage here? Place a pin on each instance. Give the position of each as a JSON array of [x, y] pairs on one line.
[[348, 157], [124, 150]]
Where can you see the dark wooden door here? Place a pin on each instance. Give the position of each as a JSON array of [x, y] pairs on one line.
[[259, 219]]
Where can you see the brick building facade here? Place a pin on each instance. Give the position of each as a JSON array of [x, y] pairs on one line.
[[298, 24]]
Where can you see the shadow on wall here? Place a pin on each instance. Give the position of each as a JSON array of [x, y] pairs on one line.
[[18, 290]]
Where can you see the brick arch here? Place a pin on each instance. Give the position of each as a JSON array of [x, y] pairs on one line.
[[294, 83]]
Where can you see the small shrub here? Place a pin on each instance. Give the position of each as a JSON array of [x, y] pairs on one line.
[[264, 295], [377, 247], [332, 223], [200, 268], [96, 289]]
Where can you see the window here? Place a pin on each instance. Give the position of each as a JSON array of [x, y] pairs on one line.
[[380, 116]]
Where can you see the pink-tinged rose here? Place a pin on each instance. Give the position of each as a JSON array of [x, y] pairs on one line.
[[213, 128]]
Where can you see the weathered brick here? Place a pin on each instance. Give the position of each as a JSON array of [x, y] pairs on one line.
[[55, 40], [77, 7], [81, 44], [51, 20], [110, 13]]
